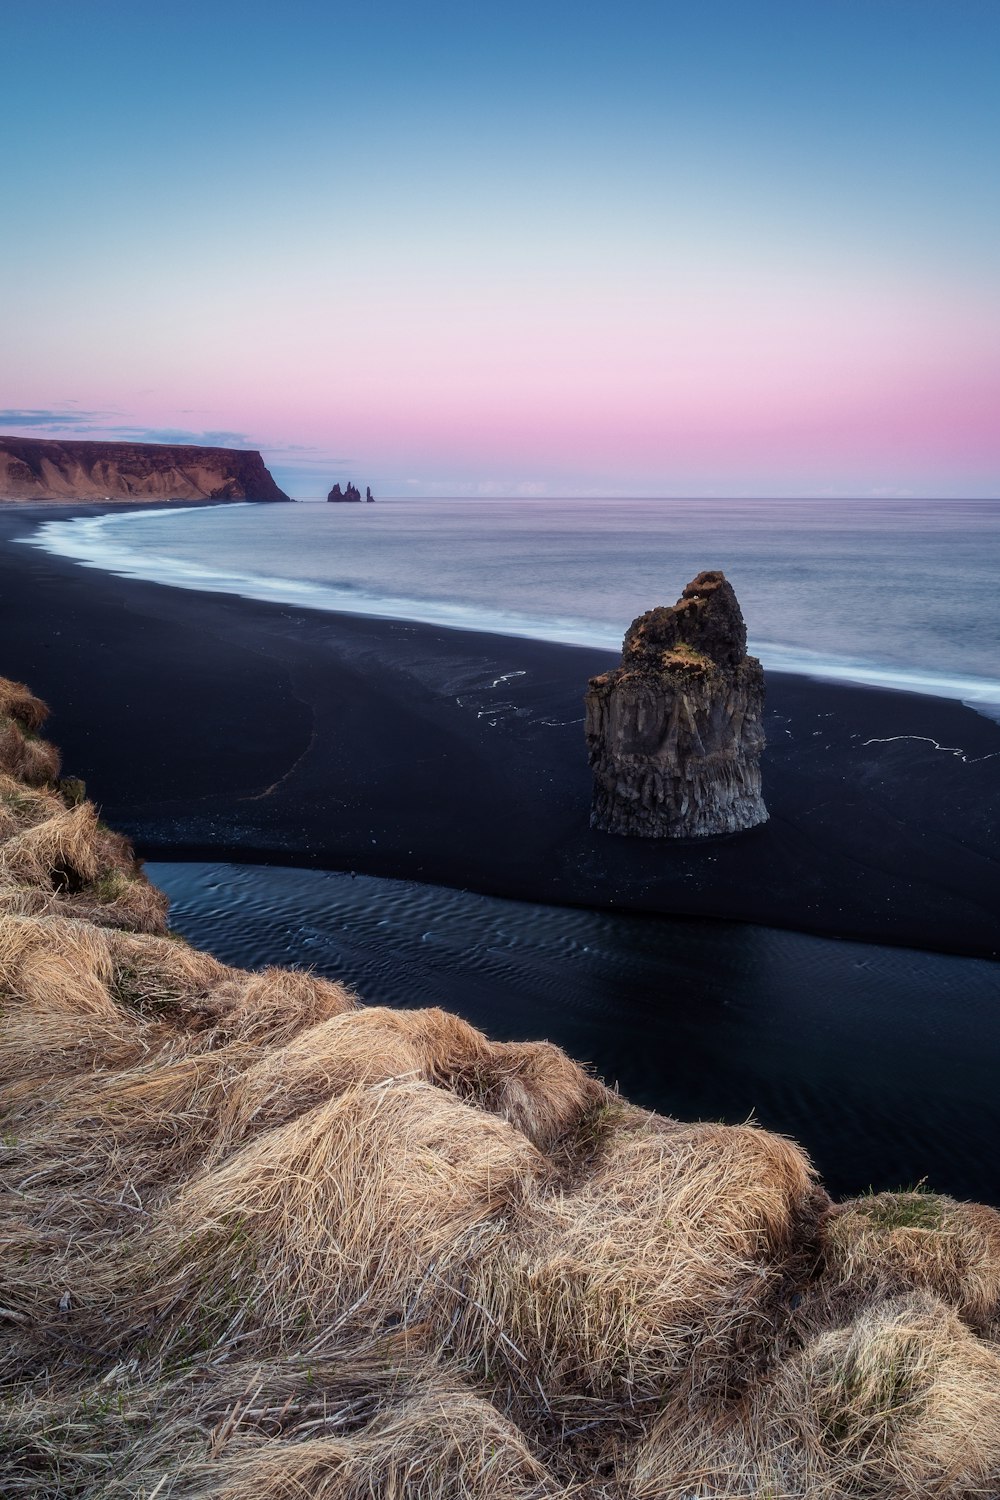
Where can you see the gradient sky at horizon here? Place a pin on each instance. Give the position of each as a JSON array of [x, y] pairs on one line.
[[732, 247]]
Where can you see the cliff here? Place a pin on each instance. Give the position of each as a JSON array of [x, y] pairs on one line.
[[261, 1240], [34, 469], [674, 734]]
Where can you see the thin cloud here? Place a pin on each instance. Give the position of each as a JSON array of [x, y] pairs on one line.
[[41, 417], [212, 438], [101, 424]]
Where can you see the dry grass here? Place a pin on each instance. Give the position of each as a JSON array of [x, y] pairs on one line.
[[440, 1445], [24, 806], [887, 1242], [19, 703], [352, 1428], [23, 755], [903, 1403], [258, 1240], [659, 1269]]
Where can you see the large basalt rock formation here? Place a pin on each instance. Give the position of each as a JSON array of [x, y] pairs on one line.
[[47, 469], [351, 493], [674, 734]]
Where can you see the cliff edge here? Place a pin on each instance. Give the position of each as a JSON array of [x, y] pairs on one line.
[[674, 734], [34, 469]]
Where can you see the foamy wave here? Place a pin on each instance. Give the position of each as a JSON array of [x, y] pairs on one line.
[[95, 542]]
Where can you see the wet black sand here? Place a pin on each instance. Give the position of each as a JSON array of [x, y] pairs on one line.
[[215, 727]]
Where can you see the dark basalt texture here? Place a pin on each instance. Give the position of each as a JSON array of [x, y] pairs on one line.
[[33, 469], [674, 734], [351, 493]]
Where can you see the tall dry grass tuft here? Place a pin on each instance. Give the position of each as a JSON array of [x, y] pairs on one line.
[[24, 756], [443, 1444], [69, 854], [259, 1240], [533, 1086], [19, 703], [903, 1402], [882, 1244], [661, 1267], [356, 1215], [63, 852], [23, 806]]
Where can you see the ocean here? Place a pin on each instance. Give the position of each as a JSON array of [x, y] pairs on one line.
[[894, 593]]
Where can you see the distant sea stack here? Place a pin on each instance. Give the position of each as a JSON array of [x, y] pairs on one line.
[[48, 469], [674, 734], [351, 493]]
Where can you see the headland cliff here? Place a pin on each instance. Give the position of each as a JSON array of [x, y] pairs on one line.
[[45, 469]]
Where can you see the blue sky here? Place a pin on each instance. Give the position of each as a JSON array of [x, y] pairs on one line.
[[722, 246]]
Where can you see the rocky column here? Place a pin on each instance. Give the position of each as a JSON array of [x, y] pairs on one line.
[[674, 734]]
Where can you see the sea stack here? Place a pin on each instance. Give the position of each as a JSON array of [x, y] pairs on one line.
[[674, 734], [351, 493]]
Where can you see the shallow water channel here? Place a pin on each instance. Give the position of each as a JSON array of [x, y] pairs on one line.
[[882, 1062]]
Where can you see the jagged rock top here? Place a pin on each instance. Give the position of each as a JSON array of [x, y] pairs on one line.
[[674, 734], [351, 493], [703, 628]]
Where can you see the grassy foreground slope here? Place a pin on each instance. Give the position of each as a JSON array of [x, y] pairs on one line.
[[257, 1240]]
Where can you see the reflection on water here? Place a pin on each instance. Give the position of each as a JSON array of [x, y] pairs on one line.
[[880, 1061]]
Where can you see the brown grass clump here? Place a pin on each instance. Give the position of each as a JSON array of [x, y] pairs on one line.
[[82, 999], [25, 756], [23, 806], [342, 1427], [63, 852], [258, 1240], [887, 1242], [56, 858], [346, 1217], [441, 1445], [533, 1086], [903, 1403], [19, 703], [660, 1267]]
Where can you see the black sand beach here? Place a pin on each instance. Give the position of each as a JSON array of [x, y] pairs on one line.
[[214, 727]]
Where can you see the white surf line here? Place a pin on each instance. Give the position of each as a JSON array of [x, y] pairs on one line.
[[970, 760], [93, 542]]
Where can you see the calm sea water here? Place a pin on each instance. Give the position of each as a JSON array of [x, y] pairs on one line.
[[901, 593], [880, 1061]]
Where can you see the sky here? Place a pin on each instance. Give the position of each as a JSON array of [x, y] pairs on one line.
[[718, 247]]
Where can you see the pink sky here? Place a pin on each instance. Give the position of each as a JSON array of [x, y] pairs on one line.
[[721, 252]]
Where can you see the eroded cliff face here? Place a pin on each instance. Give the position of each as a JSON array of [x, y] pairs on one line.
[[34, 469], [674, 734]]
